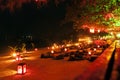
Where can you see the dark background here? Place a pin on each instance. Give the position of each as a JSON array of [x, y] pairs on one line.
[[42, 23]]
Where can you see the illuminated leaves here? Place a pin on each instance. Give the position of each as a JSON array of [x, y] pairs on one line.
[[100, 12]]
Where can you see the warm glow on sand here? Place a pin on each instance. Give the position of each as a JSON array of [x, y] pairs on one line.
[[7, 72]]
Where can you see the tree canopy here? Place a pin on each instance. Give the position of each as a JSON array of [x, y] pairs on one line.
[[94, 13]]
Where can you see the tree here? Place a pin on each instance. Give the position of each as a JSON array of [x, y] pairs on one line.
[[12, 5], [16, 48], [98, 13], [13, 49]]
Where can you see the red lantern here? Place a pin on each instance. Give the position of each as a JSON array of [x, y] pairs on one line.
[[18, 58], [21, 68]]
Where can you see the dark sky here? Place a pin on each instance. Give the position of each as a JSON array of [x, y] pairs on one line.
[[32, 20]]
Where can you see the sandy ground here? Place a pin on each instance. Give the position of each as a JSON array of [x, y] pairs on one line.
[[42, 69]]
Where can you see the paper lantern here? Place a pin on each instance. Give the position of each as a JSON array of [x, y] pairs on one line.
[[21, 68]]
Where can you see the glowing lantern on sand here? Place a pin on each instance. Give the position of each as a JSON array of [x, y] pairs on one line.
[[21, 68]]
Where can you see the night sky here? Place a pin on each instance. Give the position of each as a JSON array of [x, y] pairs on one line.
[[31, 20]]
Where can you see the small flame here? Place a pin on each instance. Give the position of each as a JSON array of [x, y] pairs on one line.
[[89, 53]]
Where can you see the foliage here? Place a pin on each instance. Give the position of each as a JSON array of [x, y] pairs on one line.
[[18, 48], [13, 48], [12, 5], [93, 12], [23, 48]]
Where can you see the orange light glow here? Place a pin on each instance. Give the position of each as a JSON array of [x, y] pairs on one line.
[[53, 47], [89, 53], [92, 30], [94, 49], [68, 45], [17, 53], [18, 58], [14, 54], [7, 72], [65, 49], [52, 51], [98, 30], [98, 46], [36, 49]]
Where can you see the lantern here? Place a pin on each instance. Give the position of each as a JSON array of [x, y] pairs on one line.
[[65, 49], [98, 46], [18, 58], [94, 49], [89, 53], [92, 30], [21, 68], [36, 49], [98, 30], [52, 51]]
